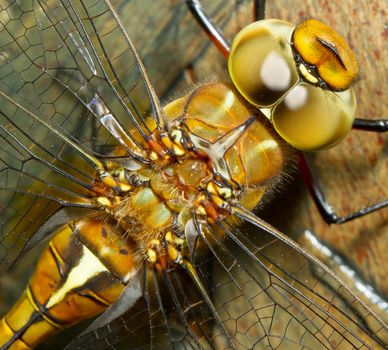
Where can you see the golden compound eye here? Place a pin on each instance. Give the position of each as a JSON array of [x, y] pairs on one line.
[[310, 118], [261, 62], [284, 82], [320, 46]]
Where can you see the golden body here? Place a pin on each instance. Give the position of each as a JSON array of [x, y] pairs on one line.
[[163, 199], [188, 173]]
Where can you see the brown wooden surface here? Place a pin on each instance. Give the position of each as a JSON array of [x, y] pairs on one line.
[[353, 174]]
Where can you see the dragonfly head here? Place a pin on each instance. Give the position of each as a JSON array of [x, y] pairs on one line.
[[299, 77]]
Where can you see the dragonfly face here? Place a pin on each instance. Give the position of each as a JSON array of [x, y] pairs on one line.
[[145, 174], [310, 103]]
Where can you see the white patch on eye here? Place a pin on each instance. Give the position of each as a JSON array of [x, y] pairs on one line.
[[297, 98], [275, 73]]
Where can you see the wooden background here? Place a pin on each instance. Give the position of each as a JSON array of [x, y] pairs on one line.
[[353, 174]]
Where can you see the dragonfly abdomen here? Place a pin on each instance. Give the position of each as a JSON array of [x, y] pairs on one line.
[[82, 271]]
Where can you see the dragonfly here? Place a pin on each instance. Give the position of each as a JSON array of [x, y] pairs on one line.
[[146, 206]]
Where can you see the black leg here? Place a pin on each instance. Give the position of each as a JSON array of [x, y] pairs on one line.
[[209, 28], [258, 10], [378, 125], [327, 212], [214, 33]]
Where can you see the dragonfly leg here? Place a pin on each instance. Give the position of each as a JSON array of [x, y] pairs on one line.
[[166, 249], [378, 125], [327, 212], [212, 31], [258, 10]]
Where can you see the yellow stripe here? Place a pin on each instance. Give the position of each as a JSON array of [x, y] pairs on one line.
[[98, 298], [56, 254], [87, 268], [36, 308]]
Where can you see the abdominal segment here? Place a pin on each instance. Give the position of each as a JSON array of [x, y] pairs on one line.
[[82, 271]]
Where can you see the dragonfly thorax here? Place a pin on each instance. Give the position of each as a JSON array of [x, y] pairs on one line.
[[230, 153]]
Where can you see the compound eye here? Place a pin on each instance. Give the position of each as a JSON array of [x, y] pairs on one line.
[[261, 63], [310, 118], [320, 46]]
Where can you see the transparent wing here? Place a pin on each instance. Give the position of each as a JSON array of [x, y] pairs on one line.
[[321, 309], [172, 316], [39, 174], [89, 52], [55, 50], [72, 90], [251, 287]]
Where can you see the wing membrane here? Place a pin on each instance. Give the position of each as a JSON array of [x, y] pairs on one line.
[[66, 95], [338, 315], [252, 308], [193, 321], [262, 293], [159, 323], [22, 62], [98, 63], [39, 173], [55, 50], [177, 317]]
